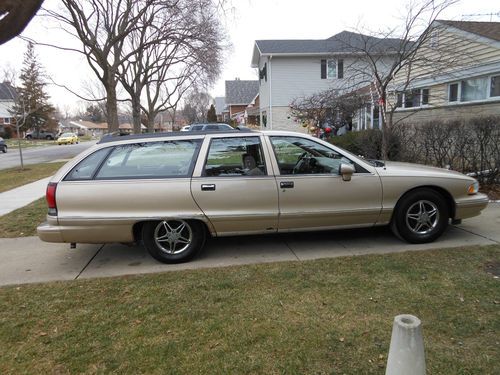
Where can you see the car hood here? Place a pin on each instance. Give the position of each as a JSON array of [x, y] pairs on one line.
[[411, 170]]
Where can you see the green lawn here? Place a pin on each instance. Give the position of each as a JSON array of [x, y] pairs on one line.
[[13, 144], [329, 316], [14, 177], [23, 221]]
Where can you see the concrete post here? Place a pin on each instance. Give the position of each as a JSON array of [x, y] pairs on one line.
[[406, 352]]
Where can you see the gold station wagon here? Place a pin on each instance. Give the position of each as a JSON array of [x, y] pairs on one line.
[[172, 190]]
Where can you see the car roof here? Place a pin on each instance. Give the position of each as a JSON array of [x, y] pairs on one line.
[[115, 138]]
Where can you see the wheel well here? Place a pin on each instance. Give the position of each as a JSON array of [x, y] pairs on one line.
[[137, 228], [443, 192]]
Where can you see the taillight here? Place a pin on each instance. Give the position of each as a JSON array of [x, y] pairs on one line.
[[51, 198]]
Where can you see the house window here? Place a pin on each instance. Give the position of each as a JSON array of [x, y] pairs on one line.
[[453, 92], [413, 98], [495, 86], [425, 97], [332, 69], [6, 120], [474, 89], [434, 41]]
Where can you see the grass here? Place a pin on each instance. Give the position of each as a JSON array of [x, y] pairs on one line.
[[12, 144], [14, 177], [23, 221], [329, 316]]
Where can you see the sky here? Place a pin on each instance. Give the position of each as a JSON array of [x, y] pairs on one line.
[[245, 21]]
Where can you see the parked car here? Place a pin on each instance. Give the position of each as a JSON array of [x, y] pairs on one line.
[[41, 134], [67, 138], [185, 128], [3, 145], [210, 127], [171, 190]]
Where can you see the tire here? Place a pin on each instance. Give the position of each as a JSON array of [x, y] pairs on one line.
[[29, 137], [4, 149], [420, 216], [49, 138], [191, 233]]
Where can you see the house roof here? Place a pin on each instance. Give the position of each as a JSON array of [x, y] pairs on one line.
[[7, 91], [487, 29], [345, 42], [241, 92]]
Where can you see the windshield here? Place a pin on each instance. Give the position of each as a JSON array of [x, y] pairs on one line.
[[67, 135]]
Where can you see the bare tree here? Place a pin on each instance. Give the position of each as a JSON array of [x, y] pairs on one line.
[[389, 62], [196, 106], [102, 27], [188, 53], [326, 107], [385, 64]]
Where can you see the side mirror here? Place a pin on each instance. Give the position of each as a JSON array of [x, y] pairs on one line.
[[346, 171]]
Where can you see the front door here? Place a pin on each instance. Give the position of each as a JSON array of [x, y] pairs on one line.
[[312, 194], [235, 188]]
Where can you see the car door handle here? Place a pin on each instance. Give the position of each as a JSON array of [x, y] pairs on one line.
[[286, 184], [207, 187]]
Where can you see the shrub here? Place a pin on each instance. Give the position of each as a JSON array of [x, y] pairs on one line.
[[8, 132], [468, 146]]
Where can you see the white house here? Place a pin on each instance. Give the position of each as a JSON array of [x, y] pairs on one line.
[[290, 69], [8, 96]]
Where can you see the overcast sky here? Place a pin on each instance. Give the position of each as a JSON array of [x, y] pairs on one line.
[[248, 21]]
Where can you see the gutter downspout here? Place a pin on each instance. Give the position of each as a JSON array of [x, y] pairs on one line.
[[270, 94]]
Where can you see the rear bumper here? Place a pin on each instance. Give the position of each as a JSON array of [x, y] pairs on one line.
[[85, 233], [470, 206], [49, 233]]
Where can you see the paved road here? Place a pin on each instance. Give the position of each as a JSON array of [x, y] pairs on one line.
[[42, 154], [28, 260]]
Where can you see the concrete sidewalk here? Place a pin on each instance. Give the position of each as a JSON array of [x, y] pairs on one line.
[[28, 260], [19, 197]]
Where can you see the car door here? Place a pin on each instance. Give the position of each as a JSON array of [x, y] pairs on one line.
[[234, 186], [312, 193]]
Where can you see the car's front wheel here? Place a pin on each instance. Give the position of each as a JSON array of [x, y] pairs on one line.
[[420, 216], [4, 149], [173, 240]]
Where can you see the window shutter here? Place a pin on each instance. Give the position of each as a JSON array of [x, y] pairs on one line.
[[323, 69], [340, 68]]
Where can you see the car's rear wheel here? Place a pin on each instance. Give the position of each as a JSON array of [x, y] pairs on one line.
[[420, 216], [49, 138], [4, 149], [173, 240]]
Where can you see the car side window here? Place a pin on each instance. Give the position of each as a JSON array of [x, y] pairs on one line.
[[150, 160], [240, 156], [302, 156], [85, 169]]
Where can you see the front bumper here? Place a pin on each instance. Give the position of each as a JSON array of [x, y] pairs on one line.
[[470, 206]]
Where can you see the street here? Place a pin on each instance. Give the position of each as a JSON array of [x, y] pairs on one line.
[[37, 155]]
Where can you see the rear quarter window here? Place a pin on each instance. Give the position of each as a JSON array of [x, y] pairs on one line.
[[150, 160], [86, 169]]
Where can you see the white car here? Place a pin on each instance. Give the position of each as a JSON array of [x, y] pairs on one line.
[[185, 128]]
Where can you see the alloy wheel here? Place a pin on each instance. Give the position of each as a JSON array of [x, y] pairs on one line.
[[173, 236]]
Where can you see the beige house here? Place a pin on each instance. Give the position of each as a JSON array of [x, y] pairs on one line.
[[468, 85]]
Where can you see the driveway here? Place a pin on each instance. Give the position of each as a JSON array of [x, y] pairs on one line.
[[28, 260], [36, 155]]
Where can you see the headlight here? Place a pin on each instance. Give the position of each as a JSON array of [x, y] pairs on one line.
[[473, 188]]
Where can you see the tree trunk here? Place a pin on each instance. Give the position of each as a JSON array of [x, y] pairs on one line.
[[112, 107], [136, 115], [151, 115]]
